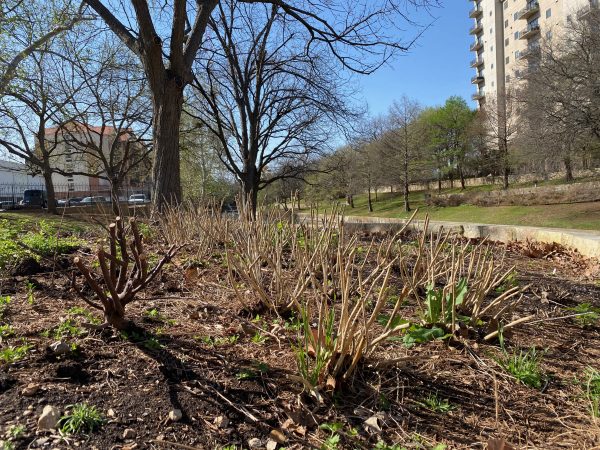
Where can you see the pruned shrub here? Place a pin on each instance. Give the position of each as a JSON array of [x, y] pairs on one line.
[[124, 271]]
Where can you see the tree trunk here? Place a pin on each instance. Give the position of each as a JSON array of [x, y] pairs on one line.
[[462, 177], [114, 198], [376, 194], [50, 194], [167, 118], [116, 318], [439, 182], [369, 202], [505, 180], [250, 189], [568, 169], [406, 192], [350, 200]]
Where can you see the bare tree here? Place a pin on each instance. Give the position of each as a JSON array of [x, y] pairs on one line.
[[403, 141], [32, 104], [271, 105], [203, 175], [167, 36], [108, 119], [27, 27], [562, 94], [502, 121]]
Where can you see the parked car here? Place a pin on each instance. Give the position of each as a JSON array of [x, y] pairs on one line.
[[8, 204], [92, 200], [138, 199], [34, 198], [70, 201]]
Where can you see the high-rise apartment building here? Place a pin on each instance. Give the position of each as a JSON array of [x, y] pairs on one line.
[[508, 32]]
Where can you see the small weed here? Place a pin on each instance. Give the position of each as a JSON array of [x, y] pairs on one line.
[[524, 366], [152, 343], [588, 317], [82, 312], [12, 354], [4, 302], [383, 446], [30, 292], [259, 338], [82, 419], [332, 442], [16, 431], [154, 314], [6, 331], [67, 328], [7, 445], [418, 334], [509, 282], [592, 390], [436, 404], [245, 374]]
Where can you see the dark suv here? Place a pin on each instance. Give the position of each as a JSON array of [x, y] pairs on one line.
[[34, 198]]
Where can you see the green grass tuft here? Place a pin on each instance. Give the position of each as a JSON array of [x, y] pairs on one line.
[[82, 418]]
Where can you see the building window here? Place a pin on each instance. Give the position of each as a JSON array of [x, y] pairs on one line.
[[517, 54], [549, 35], [516, 35], [548, 13], [515, 16], [506, 41], [505, 5], [507, 59], [506, 23], [507, 78]]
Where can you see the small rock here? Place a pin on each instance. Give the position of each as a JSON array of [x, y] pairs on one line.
[[49, 418], [30, 390], [222, 422], [129, 447], [60, 347], [129, 433], [372, 424], [111, 413], [277, 436], [41, 441], [27, 413], [175, 415], [271, 444], [254, 443]]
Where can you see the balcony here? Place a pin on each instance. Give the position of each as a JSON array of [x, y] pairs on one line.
[[477, 45], [529, 11], [477, 62], [587, 9], [531, 52], [478, 79], [478, 96], [476, 12], [530, 31], [478, 28]]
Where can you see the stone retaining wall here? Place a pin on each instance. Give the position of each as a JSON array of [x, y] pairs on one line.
[[585, 242]]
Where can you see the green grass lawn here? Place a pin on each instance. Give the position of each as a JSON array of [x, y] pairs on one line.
[[585, 216]]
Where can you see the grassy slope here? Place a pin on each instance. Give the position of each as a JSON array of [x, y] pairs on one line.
[[577, 215]]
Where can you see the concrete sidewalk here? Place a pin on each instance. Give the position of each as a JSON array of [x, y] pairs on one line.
[[585, 242]]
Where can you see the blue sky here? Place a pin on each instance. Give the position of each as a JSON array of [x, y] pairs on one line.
[[436, 68]]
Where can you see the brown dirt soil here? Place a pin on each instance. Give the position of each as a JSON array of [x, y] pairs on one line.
[[179, 358]]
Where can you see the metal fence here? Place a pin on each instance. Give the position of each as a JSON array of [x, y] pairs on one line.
[[12, 194]]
